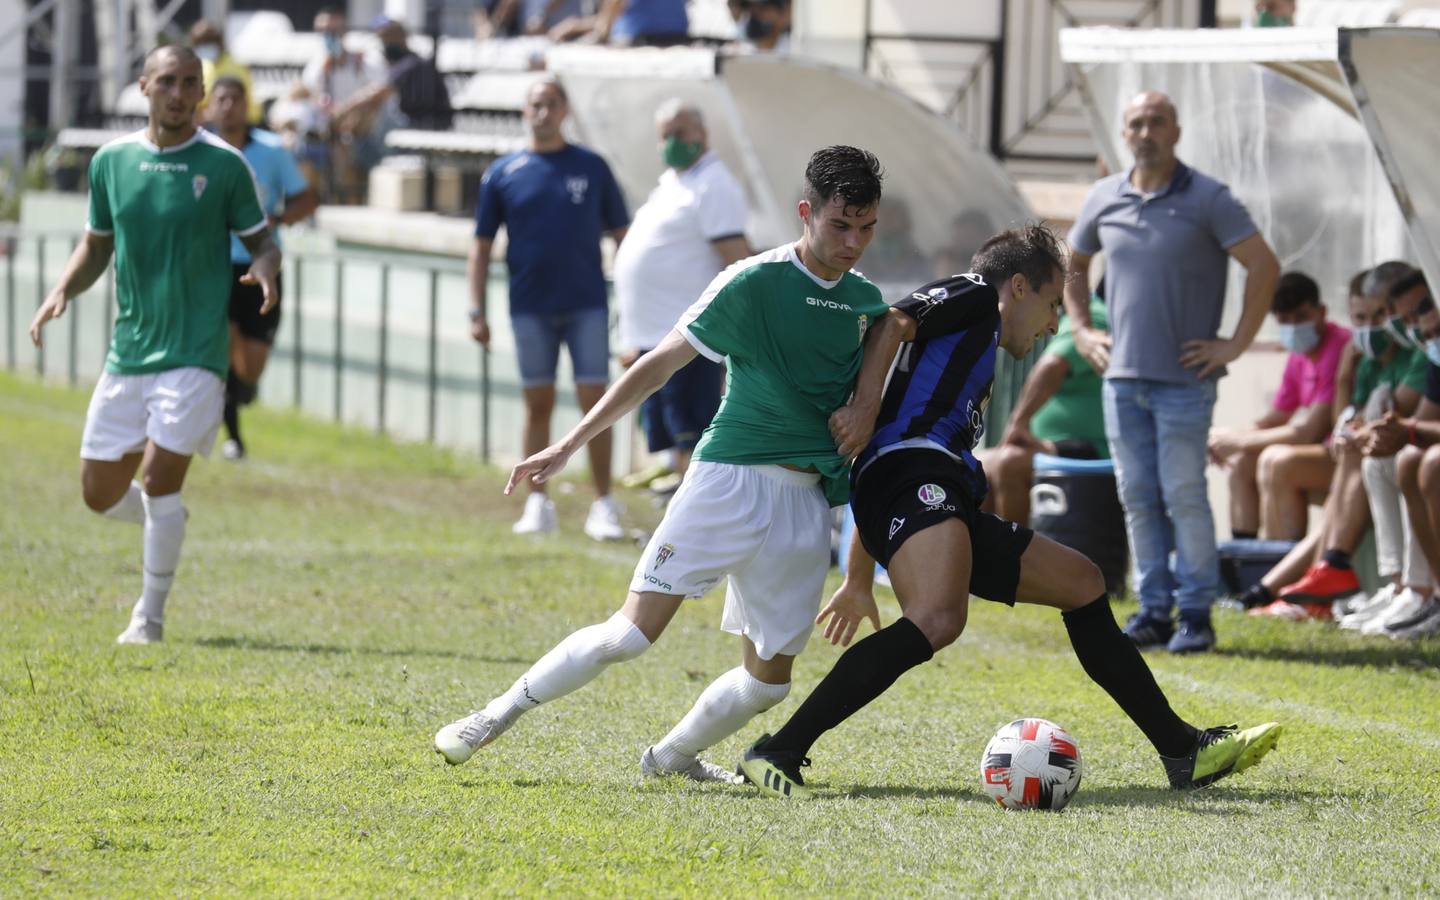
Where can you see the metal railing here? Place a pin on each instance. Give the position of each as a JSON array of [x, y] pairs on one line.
[[31, 266]]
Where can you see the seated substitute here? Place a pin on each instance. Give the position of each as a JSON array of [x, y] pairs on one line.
[[1289, 438], [916, 491], [1058, 413]]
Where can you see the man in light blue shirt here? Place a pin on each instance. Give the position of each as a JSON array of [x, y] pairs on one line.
[[286, 197], [1168, 233]]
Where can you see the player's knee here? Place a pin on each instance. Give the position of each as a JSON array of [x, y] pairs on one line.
[[1270, 466], [941, 626], [1087, 583], [240, 391], [1430, 470], [98, 499], [1407, 469]]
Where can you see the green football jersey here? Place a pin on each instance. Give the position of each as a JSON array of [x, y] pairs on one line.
[[791, 342], [171, 211]]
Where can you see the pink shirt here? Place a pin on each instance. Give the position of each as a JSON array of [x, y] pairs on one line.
[[1310, 377]]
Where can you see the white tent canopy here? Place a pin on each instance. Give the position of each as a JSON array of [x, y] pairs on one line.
[[1292, 119], [934, 174]]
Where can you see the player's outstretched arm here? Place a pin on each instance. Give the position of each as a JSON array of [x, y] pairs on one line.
[[852, 424], [264, 267], [855, 600], [86, 264], [639, 381]]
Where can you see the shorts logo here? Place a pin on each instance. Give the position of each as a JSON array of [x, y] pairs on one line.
[[931, 494], [896, 525], [939, 293], [198, 183], [663, 554]]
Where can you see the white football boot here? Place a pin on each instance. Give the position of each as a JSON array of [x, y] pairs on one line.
[[142, 631], [699, 770], [459, 740]]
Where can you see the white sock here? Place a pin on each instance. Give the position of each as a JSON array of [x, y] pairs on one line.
[[130, 508], [164, 533], [574, 662], [724, 708]]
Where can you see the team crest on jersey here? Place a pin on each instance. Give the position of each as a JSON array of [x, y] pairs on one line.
[[198, 183], [931, 494], [664, 553], [864, 321]]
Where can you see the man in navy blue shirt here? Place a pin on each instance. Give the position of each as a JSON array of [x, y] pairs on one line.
[[555, 199], [916, 492]]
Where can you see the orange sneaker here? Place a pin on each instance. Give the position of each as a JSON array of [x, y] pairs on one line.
[[1294, 612], [1321, 583]]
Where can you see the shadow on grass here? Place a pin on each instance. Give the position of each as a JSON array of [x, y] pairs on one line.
[[1422, 657], [249, 643], [1119, 796]]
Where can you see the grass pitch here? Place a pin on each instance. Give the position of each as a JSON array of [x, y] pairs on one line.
[[340, 598]]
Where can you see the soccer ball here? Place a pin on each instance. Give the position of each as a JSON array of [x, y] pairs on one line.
[[1031, 764]]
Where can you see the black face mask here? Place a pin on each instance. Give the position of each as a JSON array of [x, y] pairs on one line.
[[396, 52], [755, 29]]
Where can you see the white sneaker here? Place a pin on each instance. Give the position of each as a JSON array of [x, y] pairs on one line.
[[1424, 625], [1407, 603], [459, 740], [142, 631], [538, 517], [1396, 622], [699, 770], [603, 523], [1367, 609], [232, 450]]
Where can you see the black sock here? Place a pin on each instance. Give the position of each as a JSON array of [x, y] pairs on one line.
[[1111, 661], [1239, 535], [861, 674], [1257, 595], [232, 420], [1336, 559]]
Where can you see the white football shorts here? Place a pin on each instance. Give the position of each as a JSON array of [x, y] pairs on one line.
[[179, 409], [767, 528]]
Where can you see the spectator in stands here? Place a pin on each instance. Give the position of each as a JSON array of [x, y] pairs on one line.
[[641, 23], [691, 227], [208, 41], [1274, 13], [513, 18], [1378, 377], [340, 84], [1167, 231], [764, 26], [968, 231], [555, 199], [1289, 438], [1058, 413], [286, 198], [420, 90]]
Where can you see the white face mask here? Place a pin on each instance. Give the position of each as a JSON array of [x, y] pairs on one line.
[[1432, 351], [208, 52]]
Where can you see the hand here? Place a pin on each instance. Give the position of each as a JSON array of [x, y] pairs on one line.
[[628, 357], [480, 332], [1223, 445], [851, 426], [1021, 436], [269, 289], [539, 468], [848, 606], [1347, 440], [53, 308], [1386, 436], [1209, 356], [1094, 346]]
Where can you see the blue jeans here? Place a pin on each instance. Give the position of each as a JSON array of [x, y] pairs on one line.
[[1157, 432], [584, 332]]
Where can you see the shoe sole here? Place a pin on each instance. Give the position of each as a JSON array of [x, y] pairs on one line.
[[769, 780]]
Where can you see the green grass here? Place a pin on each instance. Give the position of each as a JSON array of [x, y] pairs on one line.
[[341, 597]]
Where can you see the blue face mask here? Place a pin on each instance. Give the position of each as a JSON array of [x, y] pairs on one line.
[[1432, 351], [334, 44], [1301, 337]]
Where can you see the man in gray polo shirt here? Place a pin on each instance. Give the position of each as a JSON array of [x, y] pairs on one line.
[[1166, 231]]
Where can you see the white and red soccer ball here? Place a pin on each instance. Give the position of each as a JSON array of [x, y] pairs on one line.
[[1031, 764]]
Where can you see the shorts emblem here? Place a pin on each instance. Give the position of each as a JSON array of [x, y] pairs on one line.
[[931, 494]]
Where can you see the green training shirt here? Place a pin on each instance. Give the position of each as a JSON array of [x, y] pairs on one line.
[[791, 342], [171, 211]]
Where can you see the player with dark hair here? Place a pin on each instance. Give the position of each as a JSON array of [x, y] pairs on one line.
[[916, 492], [286, 198], [790, 324], [164, 201]]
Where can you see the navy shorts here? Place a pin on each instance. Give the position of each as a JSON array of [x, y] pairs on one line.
[[907, 491], [675, 415], [245, 301], [585, 334]]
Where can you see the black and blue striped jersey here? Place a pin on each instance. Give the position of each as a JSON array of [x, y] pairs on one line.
[[940, 383]]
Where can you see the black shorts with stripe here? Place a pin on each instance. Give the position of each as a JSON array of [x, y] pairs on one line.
[[906, 491]]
